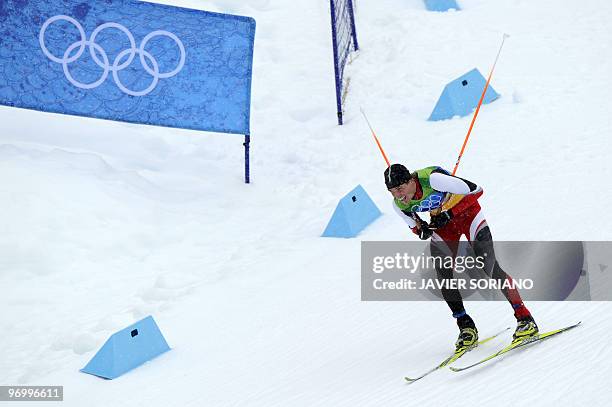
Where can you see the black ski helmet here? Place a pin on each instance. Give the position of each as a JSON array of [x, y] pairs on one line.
[[396, 175]]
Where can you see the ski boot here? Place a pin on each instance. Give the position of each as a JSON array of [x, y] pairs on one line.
[[468, 338], [468, 334], [526, 327]]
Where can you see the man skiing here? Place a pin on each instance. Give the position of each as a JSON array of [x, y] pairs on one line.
[[454, 209]]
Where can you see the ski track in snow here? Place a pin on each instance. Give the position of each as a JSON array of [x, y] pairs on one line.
[[104, 223]]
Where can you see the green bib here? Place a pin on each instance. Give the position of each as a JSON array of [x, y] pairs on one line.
[[431, 198]]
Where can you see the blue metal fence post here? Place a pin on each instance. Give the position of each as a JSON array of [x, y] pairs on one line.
[[336, 67], [247, 170]]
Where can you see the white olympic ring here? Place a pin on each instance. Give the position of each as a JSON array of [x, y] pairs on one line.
[[148, 62]]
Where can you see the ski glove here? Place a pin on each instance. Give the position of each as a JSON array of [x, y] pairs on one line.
[[440, 220], [424, 231], [421, 229]]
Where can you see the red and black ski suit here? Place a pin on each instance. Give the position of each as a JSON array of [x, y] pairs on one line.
[[466, 218]]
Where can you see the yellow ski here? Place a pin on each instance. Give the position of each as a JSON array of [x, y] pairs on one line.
[[518, 343], [454, 357]]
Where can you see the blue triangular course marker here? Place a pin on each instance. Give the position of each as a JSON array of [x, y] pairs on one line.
[[460, 97], [127, 349], [354, 212], [441, 5]]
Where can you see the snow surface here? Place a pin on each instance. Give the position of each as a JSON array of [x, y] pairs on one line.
[[104, 223]]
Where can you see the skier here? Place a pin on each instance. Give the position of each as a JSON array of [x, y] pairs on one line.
[[455, 211]]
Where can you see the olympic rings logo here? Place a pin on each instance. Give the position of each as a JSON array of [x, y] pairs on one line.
[[148, 62], [432, 202]]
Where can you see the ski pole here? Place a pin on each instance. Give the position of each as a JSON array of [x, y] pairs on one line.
[[376, 138], [479, 104]]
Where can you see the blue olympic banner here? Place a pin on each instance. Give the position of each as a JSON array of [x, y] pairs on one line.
[[128, 61]]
